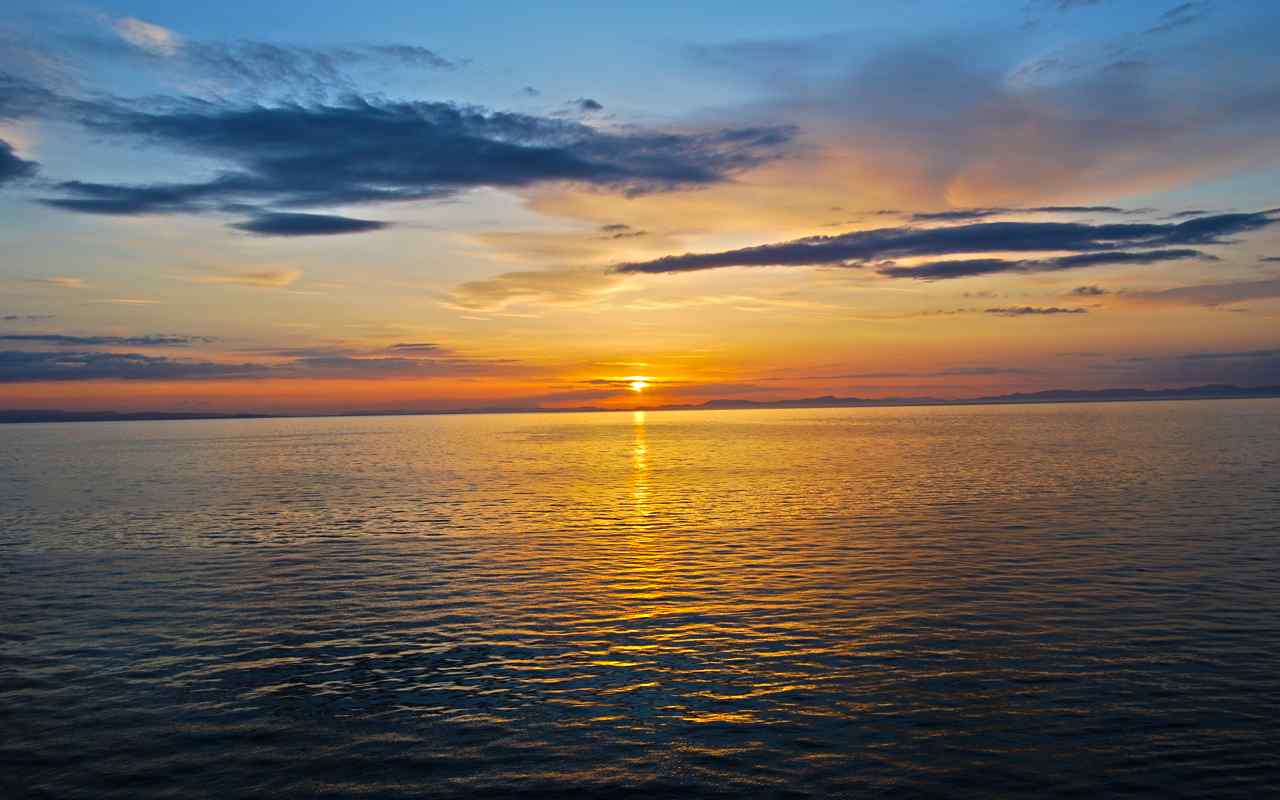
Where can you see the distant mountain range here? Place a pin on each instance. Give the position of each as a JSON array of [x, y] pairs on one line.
[[1207, 392]]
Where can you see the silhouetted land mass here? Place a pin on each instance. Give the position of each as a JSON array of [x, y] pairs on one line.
[[1207, 392]]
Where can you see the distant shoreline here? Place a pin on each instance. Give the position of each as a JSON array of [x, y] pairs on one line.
[[1210, 392]]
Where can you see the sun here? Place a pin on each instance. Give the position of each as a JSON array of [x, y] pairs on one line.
[[638, 385]]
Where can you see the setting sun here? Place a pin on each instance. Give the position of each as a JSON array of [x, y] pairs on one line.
[[638, 384]]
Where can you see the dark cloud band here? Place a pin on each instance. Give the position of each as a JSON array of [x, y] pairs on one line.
[[295, 155], [942, 270], [282, 224], [1095, 245]]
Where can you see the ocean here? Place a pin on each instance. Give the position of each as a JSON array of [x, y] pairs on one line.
[[1014, 601]]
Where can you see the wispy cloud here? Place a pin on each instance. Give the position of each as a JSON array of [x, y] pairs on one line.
[[944, 121], [255, 68], [31, 366], [147, 36], [968, 214], [416, 347], [60, 281], [551, 287], [1033, 311], [64, 340], [1180, 16], [258, 278], [1208, 294]]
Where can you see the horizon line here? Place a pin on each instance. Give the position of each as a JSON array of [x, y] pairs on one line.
[[16, 416]]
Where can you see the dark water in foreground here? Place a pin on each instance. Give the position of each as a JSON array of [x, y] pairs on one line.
[[1071, 600]]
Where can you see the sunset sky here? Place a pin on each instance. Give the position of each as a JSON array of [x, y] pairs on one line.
[[325, 207]]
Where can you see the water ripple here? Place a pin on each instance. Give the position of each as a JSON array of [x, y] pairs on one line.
[[1048, 601]]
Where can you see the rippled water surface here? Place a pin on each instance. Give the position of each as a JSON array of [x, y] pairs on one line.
[[1065, 600]]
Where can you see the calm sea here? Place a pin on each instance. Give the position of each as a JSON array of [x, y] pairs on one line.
[[1038, 601]]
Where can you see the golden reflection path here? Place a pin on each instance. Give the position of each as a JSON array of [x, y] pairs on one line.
[[640, 464]]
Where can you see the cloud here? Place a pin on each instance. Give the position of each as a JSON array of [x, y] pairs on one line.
[[401, 365], [27, 366], [1180, 16], [1069, 5], [350, 365], [259, 279], [147, 36], [61, 340], [12, 167], [1210, 294], [949, 372], [28, 317], [20, 97], [297, 155], [60, 281], [253, 69], [586, 105], [981, 371], [1033, 311], [957, 215], [571, 395], [966, 214], [414, 55], [552, 287], [1237, 354], [262, 69], [19, 366], [621, 231], [943, 270], [119, 200], [294, 224], [416, 347], [884, 243], [953, 121]]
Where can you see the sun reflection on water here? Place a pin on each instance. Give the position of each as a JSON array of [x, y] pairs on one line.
[[640, 463]]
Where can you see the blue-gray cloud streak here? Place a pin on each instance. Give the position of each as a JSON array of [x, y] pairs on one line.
[[1101, 245], [294, 224], [64, 340], [31, 366], [298, 155]]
